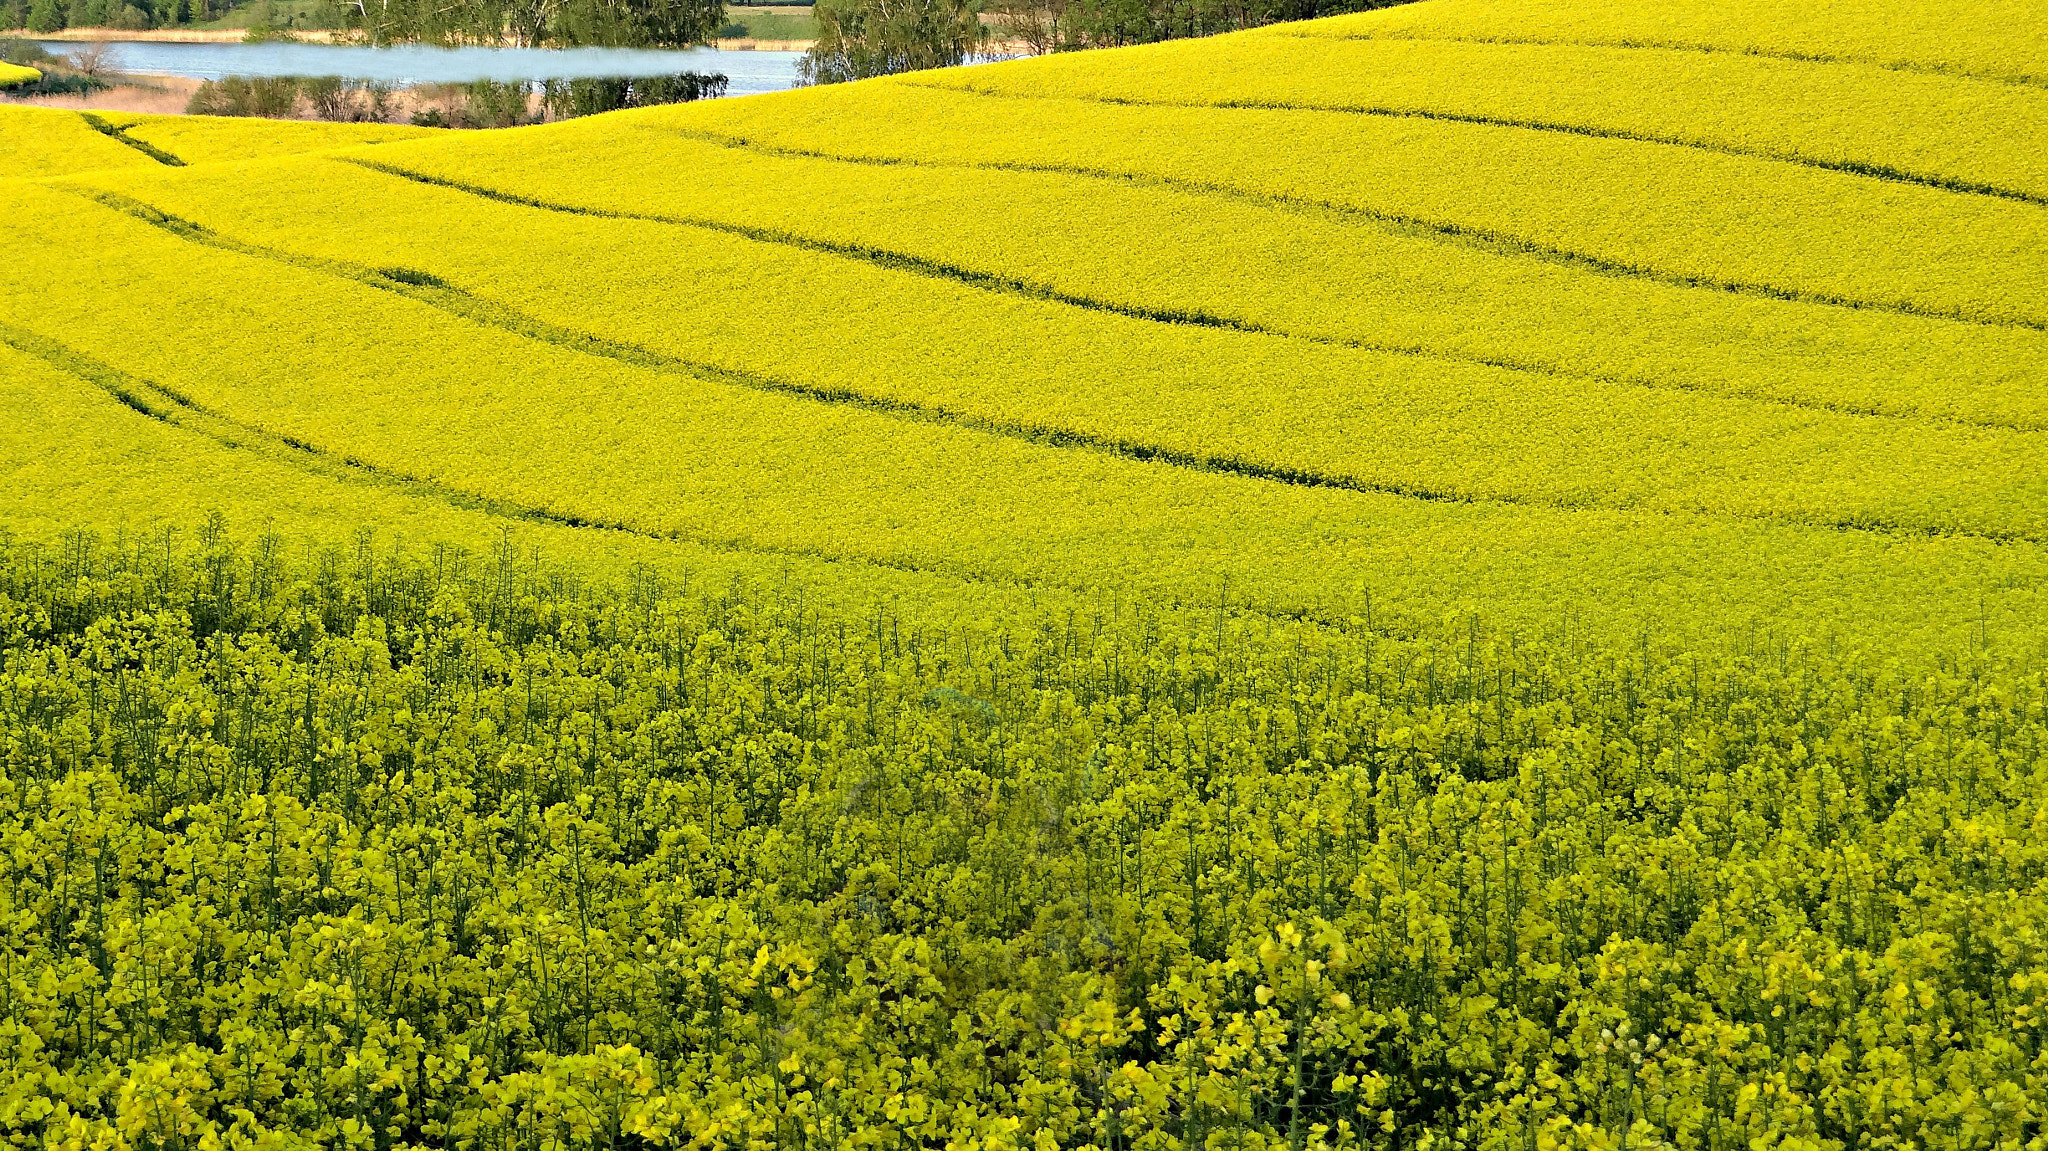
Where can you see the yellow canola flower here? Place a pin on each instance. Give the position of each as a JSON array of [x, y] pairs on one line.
[[1059, 624], [1303, 273], [38, 142], [2003, 40], [369, 379], [75, 457], [1287, 408], [1690, 215], [218, 139], [1945, 129]]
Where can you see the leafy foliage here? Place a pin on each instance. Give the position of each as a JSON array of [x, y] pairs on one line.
[[1064, 25], [616, 23], [272, 96], [858, 39], [395, 852], [564, 99]]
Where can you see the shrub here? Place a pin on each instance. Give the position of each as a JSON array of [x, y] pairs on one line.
[[564, 99]]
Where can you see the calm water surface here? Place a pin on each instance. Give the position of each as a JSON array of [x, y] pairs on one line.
[[749, 72]]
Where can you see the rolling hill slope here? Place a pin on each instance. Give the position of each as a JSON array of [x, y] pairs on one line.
[[1468, 575], [1362, 304]]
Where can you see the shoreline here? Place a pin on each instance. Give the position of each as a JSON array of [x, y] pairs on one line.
[[316, 36], [331, 37], [146, 93], [164, 36]]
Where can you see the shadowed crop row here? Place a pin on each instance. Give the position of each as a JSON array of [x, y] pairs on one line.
[[1299, 271], [1976, 136]]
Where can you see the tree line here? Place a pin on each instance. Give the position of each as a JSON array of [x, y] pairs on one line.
[[862, 38], [44, 16], [856, 38], [1064, 25], [537, 23]]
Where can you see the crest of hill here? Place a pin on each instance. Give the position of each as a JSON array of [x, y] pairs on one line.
[[2003, 40]]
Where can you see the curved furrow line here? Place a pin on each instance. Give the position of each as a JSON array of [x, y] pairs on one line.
[[2016, 80], [1419, 351], [1487, 239], [434, 292], [437, 293], [167, 406], [1885, 172], [100, 125]]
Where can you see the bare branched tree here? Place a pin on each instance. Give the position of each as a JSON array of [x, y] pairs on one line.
[[94, 60]]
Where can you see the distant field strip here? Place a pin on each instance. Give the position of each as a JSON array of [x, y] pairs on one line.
[[879, 257], [1653, 44], [1964, 136], [45, 142], [177, 410], [1277, 438], [1255, 266], [1854, 167], [1726, 222], [1495, 242], [2001, 40], [219, 139]]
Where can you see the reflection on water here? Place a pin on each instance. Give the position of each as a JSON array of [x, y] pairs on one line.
[[748, 72]]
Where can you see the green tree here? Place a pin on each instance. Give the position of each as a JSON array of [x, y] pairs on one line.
[[862, 38], [632, 23], [607, 23], [1062, 25], [45, 16]]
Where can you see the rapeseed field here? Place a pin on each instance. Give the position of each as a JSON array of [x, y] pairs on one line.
[[1463, 576], [52, 142], [203, 140]]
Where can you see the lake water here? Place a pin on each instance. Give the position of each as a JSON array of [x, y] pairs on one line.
[[749, 72]]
